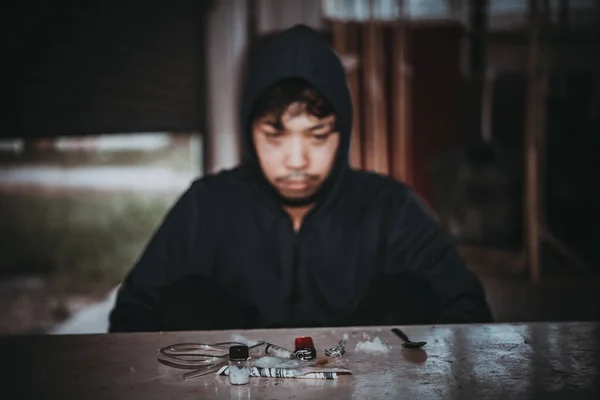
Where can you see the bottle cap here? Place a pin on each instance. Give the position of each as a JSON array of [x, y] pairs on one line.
[[304, 342], [238, 352]]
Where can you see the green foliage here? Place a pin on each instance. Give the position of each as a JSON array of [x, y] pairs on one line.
[[79, 239]]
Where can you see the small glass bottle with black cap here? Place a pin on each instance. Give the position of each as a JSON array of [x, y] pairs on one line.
[[238, 365]]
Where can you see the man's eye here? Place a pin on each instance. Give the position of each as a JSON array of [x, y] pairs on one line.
[[321, 136], [273, 135]]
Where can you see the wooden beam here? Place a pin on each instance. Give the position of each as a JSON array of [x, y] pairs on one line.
[[531, 192], [478, 21], [563, 18], [376, 129], [543, 82], [487, 105], [535, 132], [401, 143], [346, 43], [478, 16], [536, 129], [596, 76]]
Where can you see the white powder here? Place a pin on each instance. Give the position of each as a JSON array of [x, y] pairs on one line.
[[345, 337], [276, 362], [236, 337], [238, 376], [375, 346]]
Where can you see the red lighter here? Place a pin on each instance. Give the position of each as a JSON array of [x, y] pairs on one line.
[[305, 348]]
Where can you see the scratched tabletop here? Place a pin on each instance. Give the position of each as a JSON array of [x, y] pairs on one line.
[[538, 360]]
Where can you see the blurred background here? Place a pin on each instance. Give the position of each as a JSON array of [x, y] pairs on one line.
[[489, 109]]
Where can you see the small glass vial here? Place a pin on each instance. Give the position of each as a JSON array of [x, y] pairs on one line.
[[276, 351], [238, 365]]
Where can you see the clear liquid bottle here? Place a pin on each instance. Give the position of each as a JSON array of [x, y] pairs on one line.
[[238, 365]]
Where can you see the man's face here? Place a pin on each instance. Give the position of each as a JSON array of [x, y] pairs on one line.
[[297, 153]]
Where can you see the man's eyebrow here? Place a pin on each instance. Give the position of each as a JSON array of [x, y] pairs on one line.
[[273, 124], [329, 124]]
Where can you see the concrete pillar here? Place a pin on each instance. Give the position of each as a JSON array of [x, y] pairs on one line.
[[227, 39], [274, 15]]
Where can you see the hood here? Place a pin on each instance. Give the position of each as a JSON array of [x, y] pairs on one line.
[[298, 52]]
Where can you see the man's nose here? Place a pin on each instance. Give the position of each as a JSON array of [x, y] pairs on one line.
[[296, 157]]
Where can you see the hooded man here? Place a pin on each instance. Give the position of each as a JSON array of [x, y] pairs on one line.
[[293, 237]]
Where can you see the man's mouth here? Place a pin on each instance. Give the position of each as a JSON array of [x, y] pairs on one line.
[[296, 185]]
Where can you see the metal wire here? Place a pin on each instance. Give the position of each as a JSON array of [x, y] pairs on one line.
[[200, 357]]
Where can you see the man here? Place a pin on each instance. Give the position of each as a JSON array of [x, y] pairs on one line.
[[294, 237]]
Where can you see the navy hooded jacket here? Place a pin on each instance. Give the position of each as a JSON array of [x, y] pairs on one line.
[[368, 252]]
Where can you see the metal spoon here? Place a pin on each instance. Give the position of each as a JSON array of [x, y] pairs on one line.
[[409, 344]]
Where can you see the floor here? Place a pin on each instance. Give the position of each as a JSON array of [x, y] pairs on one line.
[[563, 293], [515, 299]]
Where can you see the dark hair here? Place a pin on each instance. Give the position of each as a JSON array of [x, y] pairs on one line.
[[277, 98]]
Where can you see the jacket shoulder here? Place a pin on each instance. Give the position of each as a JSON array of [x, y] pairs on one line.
[[220, 184], [374, 185]]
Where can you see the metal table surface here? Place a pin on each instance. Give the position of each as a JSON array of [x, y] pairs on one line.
[[537, 360]]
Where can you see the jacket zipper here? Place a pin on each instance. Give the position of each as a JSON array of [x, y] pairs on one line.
[[295, 273]]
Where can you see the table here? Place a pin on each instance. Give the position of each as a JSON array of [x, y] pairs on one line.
[[546, 360]]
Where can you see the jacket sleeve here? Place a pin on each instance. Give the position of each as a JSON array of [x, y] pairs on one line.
[[136, 309], [419, 246], [178, 248]]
